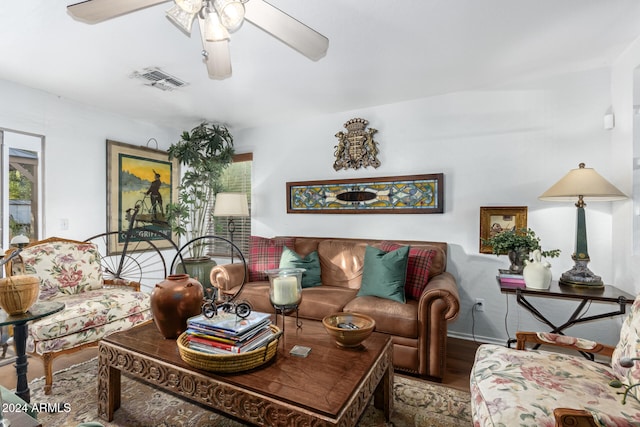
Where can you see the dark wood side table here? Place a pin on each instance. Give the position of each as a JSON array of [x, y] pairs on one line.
[[608, 294], [20, 329]]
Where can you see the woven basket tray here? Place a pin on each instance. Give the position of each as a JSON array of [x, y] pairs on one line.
[[229, 363], [18, 293]]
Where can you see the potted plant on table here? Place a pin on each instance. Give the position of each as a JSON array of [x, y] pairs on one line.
[[206, 151], [518, 244]]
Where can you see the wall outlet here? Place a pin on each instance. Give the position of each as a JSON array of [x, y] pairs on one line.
[[479, 305]]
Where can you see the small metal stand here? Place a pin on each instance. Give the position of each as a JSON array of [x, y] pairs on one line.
[[284, 310]]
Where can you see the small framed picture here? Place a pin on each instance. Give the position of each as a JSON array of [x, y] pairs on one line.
[[496, 219]]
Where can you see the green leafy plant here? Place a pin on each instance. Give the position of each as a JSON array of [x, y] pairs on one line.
[[522, 240], [206, 151]]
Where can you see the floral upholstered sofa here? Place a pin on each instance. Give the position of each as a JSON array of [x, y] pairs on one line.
[[541, 388], [70, 272]]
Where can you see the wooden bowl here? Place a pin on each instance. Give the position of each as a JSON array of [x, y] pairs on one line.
[[349, 329], [18, 293]]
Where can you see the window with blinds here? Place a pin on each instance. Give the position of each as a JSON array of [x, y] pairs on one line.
[[235, 179]]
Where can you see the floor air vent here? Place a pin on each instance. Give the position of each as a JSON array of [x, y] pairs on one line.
[[157, 78]]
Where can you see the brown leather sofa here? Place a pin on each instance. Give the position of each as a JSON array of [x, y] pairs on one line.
[[418, 327]]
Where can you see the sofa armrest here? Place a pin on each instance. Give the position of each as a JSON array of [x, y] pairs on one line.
[[441, 287], [438, 304], [562, 341], [228, 276], [573, 417], [121, 283]]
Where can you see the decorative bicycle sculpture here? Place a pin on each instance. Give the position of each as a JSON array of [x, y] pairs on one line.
[[133, 254], [213, 305], [140, 260]]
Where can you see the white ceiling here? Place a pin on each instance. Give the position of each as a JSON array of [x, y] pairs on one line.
[[380, 52]]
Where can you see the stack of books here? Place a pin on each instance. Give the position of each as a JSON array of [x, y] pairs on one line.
[[227, 333], [511, 280]]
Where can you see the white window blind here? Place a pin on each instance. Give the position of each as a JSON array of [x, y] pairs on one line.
[[235, 179]]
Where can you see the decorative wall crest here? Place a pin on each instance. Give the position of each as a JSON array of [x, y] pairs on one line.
[[356, 148]]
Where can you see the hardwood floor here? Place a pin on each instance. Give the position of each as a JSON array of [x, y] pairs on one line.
[[460, 354]]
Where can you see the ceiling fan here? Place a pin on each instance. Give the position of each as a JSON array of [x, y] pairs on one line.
[[216, 19]]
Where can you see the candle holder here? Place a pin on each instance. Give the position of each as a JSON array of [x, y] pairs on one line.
[[285, 291]]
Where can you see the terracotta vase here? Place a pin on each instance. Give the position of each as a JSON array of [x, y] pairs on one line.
[[173, 301]]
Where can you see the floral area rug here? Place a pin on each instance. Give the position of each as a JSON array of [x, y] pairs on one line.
[[417, 403]]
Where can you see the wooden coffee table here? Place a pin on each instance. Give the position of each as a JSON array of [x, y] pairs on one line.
[[331, 386]]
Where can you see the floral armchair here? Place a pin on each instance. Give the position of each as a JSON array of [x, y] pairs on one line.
[[70, 272], [519, 387]]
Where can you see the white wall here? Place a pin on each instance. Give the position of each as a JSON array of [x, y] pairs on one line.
[[623, 87], [500, 147], [75, 153]]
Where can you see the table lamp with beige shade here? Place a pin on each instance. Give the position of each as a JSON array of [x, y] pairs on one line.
[[19, 241], [582, 185], [231, 205]]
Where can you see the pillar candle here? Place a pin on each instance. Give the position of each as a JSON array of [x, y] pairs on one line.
[[285, 290]]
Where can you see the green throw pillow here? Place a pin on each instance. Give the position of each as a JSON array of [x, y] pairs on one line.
[[311, 263], [384, 273]]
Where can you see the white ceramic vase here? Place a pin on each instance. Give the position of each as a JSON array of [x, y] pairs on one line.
[[537, 274]]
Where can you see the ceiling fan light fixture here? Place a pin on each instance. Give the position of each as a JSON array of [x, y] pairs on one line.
[[190, 6], [214, 31], [231, 13], [224, 16], [182, 19]]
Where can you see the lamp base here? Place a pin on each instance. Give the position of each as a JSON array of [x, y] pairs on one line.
[[581, 276]]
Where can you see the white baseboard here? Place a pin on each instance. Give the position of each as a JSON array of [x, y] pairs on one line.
[[478, 339]]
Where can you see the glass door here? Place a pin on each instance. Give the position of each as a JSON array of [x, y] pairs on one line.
[[21, 185]]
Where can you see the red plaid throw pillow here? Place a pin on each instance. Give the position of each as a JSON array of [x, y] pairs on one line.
[[417, 269], [264, 254]]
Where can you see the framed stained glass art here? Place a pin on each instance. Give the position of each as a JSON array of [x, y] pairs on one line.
[[412, 194]]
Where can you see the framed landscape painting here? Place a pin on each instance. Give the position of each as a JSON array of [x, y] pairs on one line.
[[496, 219], [140, 183]]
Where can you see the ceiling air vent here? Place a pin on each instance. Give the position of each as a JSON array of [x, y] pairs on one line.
[[157, 78]]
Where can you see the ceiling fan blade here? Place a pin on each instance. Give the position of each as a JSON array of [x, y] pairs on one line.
[[287, 29], [216, 55], [94, 11]]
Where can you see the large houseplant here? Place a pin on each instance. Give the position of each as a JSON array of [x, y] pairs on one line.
[[518, 244], [206, 151]]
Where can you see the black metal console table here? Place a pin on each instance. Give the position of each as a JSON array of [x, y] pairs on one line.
[[607, 294]]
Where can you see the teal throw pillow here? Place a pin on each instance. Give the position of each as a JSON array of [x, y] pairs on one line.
[[384, 273], [311, 263]]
